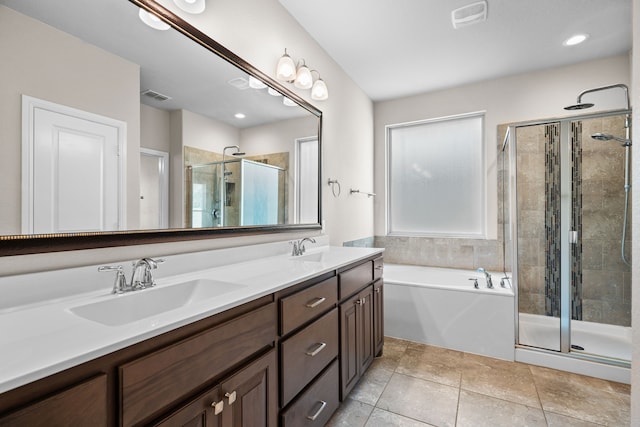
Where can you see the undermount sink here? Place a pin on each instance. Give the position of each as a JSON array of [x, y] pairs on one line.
[[315, 257], [136, 305]]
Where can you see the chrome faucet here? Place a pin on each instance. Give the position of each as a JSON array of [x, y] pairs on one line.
[[487, 276], [141, 277], [298, 246]]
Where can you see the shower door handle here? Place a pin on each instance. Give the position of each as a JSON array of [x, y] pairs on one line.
[[573, 237]]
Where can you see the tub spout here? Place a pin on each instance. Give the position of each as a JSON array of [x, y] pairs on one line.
[[487, 276]]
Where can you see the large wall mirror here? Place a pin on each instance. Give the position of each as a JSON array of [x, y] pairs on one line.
[[116, 133]]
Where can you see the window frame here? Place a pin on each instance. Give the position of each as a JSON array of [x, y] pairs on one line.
[[482, 234]]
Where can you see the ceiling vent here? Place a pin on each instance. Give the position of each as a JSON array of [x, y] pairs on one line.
[[239, 83], [469, 14], [155, 95]]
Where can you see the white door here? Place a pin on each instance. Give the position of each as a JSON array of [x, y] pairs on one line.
[[73, 176], [154, 189]]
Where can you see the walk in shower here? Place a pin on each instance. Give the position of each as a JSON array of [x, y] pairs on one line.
[[566, 218], [235, 193]]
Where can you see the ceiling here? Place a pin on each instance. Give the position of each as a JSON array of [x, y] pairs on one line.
[[396, 48]]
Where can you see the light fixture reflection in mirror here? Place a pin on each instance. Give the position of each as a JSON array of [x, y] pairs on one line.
[[153, 21], [191, 6], [115, 73]]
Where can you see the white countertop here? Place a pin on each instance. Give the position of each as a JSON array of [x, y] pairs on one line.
[[41, 339]]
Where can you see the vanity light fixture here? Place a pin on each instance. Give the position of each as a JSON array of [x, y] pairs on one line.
[[575, 39], [153, 21], [191, 6], [319, 91], [301, 77], [286, 69], [289, 103], [303, 80], [255, 83], [273, 92]]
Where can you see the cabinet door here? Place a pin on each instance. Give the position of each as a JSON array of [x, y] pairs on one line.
[[365, 329], [251, 395], [203, 411], [378, 317], [348, 345]]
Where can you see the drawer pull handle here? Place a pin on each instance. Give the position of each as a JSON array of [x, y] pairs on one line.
[[231, 396], [317, 350], [316, 302], [313, 417], [361, 301], [217, 407]]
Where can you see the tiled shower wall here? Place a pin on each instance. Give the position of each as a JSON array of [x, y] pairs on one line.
[[603, 293]]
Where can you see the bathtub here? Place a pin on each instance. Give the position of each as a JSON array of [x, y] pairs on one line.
[[441, 307]]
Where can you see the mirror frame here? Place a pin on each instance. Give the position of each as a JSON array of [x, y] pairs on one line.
[[11, 245]]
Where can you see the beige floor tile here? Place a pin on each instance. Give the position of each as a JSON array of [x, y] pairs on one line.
[[581, 397], [371, 385], [478, 410], [425, 401], [380, 418], [433, 364], [351, 413], [392, 352], [557, 420], [501, 379]]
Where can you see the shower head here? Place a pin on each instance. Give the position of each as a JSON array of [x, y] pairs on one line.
[[239, 153], [580, 106], [607, 137]]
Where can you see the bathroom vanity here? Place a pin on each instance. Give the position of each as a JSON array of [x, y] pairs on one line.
[[282, 349]]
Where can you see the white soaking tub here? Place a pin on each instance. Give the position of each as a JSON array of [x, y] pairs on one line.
[[441, 307]]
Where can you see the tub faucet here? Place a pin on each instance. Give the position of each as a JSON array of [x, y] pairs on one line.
[[487, 276], [298, 246]]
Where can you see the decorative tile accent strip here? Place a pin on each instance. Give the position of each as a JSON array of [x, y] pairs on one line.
[[576, 220], [552, 219]]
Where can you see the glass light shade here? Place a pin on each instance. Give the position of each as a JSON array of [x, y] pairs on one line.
[[255, 83], [273, 92], [286, 69], [303, 80], [319, 91], [191, 6], [289, 103], [152, 20]]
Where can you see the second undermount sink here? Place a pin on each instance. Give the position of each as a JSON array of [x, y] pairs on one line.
[[118, 310]]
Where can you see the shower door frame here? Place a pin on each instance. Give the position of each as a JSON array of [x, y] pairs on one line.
[[565, 224]]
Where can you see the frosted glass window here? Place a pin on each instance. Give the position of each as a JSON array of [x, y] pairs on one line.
[[436, 177]]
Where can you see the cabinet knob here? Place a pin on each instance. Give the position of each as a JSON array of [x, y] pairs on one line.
[[313, 417], [316, 302], [378, 290], [231, 396], [217, 407], [360, 301]]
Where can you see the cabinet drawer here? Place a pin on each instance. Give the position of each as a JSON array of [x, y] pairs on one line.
[[351, 281], [63, 408], [316, 405], [378, 268], [306, 354], [299, 308], [151, 383]]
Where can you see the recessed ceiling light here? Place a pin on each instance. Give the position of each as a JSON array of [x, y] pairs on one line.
[[240, 116], [576, 39]]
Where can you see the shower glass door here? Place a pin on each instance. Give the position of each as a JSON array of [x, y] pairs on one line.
[[568, 189]]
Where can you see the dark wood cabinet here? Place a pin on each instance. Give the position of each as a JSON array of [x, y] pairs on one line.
[[378, 317], [84, 404], [203, 411], [356, 338]]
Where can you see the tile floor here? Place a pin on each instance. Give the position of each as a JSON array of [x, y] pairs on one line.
[[416, 385]]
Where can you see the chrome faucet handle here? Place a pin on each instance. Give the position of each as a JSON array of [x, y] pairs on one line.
[[294, 250], [475, 283], [120, 284]]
